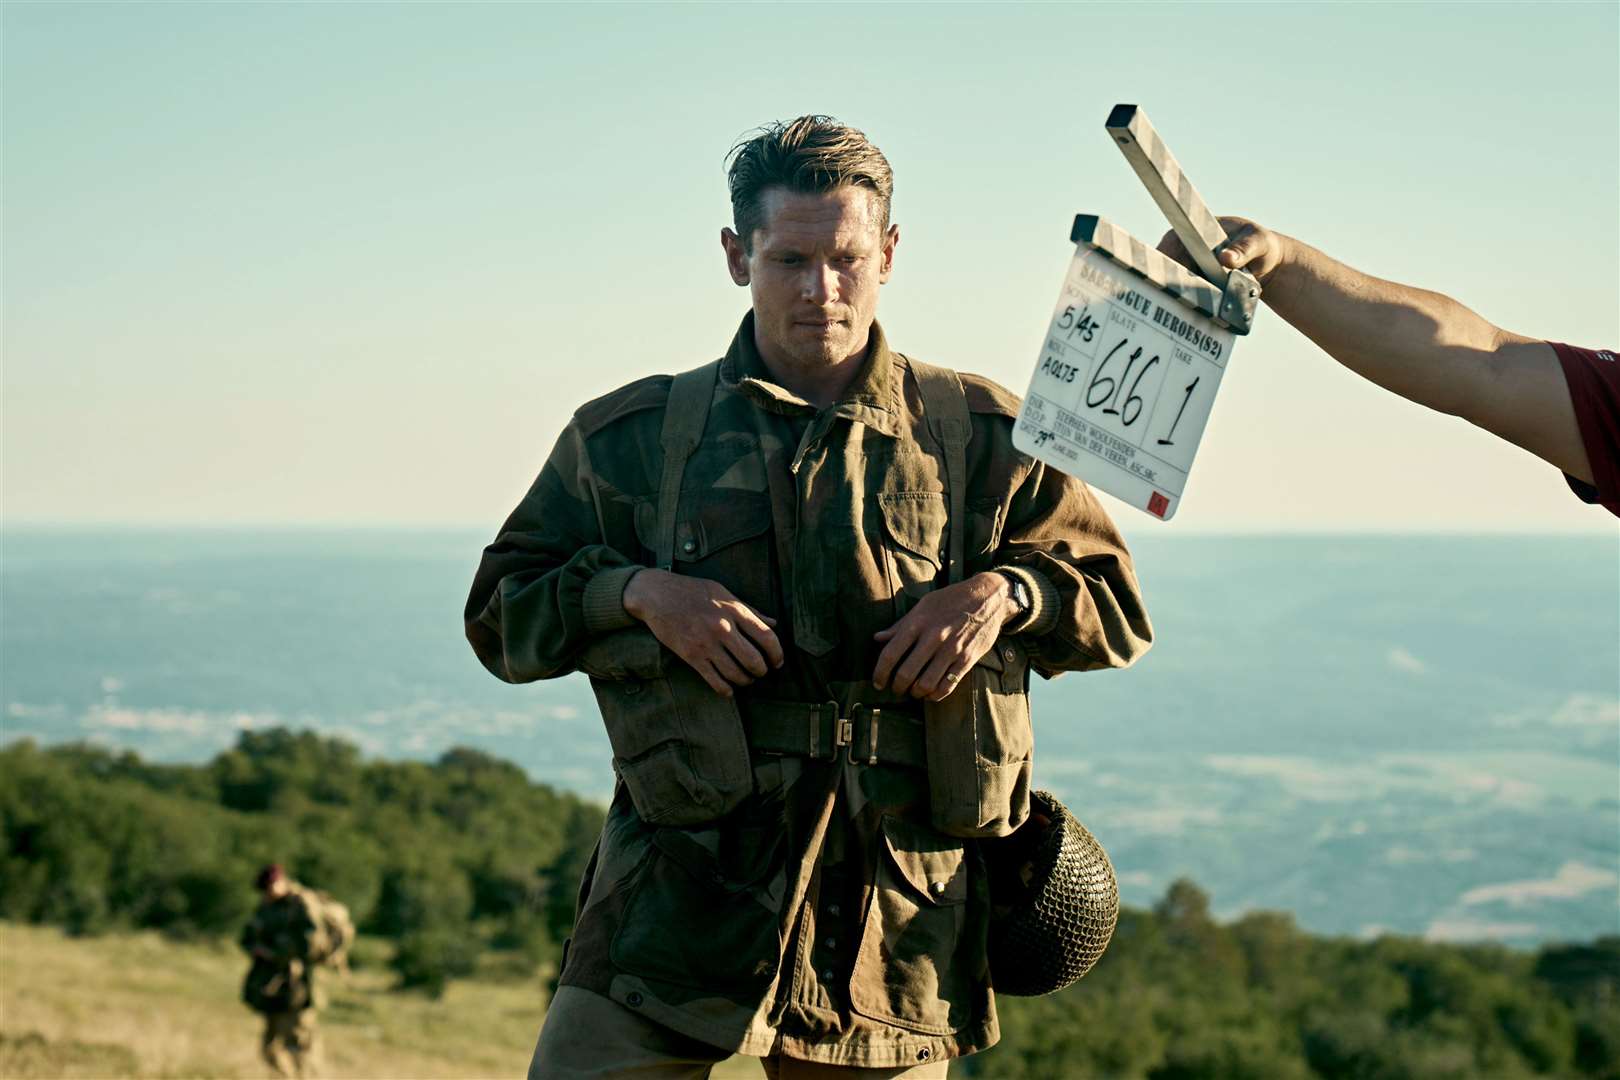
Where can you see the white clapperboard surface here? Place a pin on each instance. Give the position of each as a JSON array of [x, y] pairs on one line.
[[1137, 344]]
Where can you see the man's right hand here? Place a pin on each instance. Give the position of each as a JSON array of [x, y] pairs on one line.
[[1248, 246], [720, 637]]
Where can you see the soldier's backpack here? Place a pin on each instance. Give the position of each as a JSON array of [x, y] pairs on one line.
[[333, 932]]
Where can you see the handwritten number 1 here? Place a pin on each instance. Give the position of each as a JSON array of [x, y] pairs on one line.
[[1166, 440]]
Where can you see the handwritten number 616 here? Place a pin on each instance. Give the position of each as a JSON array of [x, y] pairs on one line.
[[1107, 388]]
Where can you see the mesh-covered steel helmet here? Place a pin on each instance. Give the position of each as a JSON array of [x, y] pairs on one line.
[[1054, 901]]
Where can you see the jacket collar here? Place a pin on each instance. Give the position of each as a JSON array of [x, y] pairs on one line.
[[873, 398]]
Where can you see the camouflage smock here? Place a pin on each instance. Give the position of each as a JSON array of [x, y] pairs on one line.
[[281, 981], [823, 919]]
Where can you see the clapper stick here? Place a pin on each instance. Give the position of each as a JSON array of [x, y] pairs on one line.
[[1235, 292], [1156, 167], [1157, 267]]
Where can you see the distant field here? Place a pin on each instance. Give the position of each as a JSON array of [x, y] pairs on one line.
[[141, 1006]]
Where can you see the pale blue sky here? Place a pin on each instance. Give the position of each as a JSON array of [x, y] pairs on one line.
[[358, 263]]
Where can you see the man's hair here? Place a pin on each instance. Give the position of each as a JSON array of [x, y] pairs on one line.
[[268, 876], [812, 154]]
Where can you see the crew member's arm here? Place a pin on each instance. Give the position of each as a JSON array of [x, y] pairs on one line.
[[1422, 345]]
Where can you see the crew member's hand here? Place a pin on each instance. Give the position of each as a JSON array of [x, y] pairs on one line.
[[1248, 246], [723, 639], [929, 650]]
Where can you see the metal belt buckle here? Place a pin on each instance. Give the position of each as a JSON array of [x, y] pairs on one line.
[[843, 734]]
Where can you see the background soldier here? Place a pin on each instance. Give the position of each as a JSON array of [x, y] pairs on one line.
[[772, 568], [283, 938]]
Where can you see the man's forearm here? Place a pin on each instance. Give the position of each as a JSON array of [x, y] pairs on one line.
[[1430, 349], [1419, 344]]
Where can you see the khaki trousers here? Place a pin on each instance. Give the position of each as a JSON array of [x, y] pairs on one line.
[[588, 1037], [288, 1045]]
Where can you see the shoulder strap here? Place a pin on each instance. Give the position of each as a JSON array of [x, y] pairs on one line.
[[945, 407], [685, 414]]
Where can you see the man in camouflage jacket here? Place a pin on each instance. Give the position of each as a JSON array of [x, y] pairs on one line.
[[821, 921], [280, 983]]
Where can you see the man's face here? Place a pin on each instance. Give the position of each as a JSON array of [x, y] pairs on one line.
[[814, 270]]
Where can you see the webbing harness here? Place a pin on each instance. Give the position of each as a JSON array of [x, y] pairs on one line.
[[945, 408], [685, 414], [814, 729]]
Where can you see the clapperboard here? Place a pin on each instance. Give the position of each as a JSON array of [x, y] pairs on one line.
[[1138, 344]]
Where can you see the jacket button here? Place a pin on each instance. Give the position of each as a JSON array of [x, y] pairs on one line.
[[831, 943], [1008, 655], [633, 999], [689, 546], [924, 1054], [833, 910], [937, 888], [827, 975]]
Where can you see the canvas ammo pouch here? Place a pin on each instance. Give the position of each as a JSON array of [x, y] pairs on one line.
[[980, 746], [979, 739], [677, 745]]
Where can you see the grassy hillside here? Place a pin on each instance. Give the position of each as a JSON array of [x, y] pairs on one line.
[[140, 1006], [462, 876]]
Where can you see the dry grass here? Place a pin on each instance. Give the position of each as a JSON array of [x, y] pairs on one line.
[[141, 1006]]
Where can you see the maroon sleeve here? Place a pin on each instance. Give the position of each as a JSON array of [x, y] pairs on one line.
[[1594, 388]]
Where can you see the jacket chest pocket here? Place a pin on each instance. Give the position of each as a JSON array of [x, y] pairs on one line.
[[678, 746], [723, 536], [921, 964], [913, 543]]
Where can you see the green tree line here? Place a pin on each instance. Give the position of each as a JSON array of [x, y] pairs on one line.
[[466, 858], [1178, 996], [449, 859]]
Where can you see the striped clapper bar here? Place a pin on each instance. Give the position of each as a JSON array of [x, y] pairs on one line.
[[1227, 296], [1137, 343]]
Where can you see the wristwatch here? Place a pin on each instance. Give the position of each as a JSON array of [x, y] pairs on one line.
[[1020, 592]]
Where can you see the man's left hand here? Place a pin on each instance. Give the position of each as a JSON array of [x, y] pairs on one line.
[[928, 651]]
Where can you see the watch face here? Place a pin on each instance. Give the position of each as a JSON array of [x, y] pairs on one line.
[[1020, 591]]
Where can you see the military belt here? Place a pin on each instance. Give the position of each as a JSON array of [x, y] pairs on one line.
[[874, 735]]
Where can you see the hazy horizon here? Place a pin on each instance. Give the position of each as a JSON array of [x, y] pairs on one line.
[[1363, 730]]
